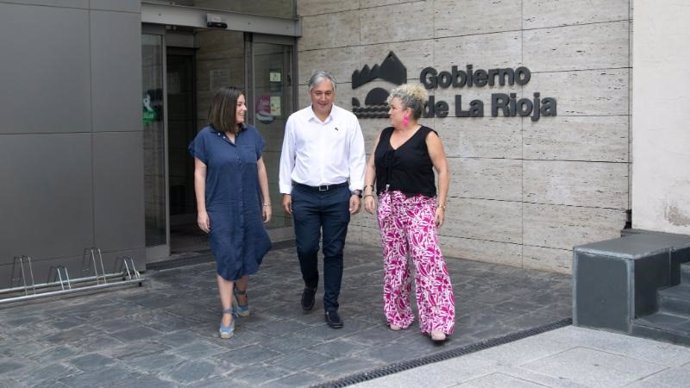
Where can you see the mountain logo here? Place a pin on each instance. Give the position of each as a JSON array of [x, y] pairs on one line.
[[375, 106]]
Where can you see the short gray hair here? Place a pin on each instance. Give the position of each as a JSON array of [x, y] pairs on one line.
[[319, 76]]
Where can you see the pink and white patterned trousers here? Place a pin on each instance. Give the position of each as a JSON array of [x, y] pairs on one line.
[[408, 227]]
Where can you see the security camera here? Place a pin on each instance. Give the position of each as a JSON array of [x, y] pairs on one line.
[[215, 21]]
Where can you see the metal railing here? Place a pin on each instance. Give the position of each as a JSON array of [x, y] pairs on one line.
[[24, 287]]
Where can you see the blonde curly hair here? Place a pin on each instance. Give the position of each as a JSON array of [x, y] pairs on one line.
[[413, 96]]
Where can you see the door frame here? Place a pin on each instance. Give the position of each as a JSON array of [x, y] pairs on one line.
[[289, 66], [162, 251], [185, 218]]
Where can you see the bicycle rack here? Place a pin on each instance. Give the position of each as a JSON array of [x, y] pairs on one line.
[[86, 264], [21, 274], [24, 287], [129, 268], [61, 276]]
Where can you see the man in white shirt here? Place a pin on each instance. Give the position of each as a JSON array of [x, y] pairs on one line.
[[321, 179]]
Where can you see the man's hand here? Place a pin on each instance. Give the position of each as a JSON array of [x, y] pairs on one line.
[[287, 203], [355, 203]]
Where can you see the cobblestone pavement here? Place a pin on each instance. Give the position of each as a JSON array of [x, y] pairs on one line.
[[164, 334]]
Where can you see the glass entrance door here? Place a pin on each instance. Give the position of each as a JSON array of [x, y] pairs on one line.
[[154, 137], [272, 102], [182, 127], [182, 68]]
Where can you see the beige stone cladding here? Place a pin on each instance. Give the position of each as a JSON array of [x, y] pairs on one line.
[[524, 190], [218, 52]]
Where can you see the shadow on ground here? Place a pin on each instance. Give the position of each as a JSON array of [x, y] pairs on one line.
[[165, 333]]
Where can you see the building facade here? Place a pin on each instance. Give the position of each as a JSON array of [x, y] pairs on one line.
[[525, 189], [562, 120]]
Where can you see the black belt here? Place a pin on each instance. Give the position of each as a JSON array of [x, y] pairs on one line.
[[320, 188]]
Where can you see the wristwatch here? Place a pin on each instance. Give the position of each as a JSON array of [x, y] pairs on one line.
[[357, 193]]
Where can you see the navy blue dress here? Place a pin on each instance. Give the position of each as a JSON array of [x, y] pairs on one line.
[[238, 238]]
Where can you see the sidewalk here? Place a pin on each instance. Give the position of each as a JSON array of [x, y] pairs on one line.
[[565, 357], [165, 333]]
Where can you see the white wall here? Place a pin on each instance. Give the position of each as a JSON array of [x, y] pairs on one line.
[[660, 120]]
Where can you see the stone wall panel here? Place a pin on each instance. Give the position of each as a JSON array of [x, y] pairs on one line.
[[563, 227], [340, 62], [589, 92], [452, 17], [549, 13], [585, 138], [482, 250], [591, 184], [392, 24], [484, 220], [499, 179], [593, 46], [547, 259], [318, 7], [333, 30], [364, 4], [498, 50], [481, 137]]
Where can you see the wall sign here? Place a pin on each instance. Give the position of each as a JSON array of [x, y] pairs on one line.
[[501, 104], [263, 109]]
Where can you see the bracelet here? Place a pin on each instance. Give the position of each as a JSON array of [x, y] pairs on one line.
[[442, 207], [267, 205]]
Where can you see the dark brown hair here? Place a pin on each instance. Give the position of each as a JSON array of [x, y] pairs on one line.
[[222, 114]]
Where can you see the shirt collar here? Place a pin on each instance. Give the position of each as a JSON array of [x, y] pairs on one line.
[[243, 126], [312, 115]]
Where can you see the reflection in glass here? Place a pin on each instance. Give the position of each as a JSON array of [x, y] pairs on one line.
[[272, 106], [154, 139]]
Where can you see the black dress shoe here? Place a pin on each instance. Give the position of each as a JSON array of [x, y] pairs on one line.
[[308, 298], [333, 320]]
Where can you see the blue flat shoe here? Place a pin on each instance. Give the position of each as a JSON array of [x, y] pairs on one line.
[[228, 331], [238, 309]]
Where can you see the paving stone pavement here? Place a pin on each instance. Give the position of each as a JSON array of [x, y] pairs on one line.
[[567, 357], [164, 334]]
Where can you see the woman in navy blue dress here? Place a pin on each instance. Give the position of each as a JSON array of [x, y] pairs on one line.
[[232, 199]]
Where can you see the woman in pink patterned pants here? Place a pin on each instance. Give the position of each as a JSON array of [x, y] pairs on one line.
[[410, 211]]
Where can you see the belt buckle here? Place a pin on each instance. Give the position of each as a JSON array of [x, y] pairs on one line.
[[323, 188]]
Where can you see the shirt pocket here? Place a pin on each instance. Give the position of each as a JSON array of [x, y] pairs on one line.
[[247, 153]]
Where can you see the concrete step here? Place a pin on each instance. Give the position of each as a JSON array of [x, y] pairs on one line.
[[685, 273], [664, 327], [675, 300]]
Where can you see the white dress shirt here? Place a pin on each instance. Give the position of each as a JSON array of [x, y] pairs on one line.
[[319, 152]]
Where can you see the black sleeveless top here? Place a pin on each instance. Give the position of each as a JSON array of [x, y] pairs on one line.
[[408, 168]]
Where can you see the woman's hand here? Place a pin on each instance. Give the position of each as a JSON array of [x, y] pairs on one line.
[[267, 212], [203, 221], [369, 203], [440, 215]]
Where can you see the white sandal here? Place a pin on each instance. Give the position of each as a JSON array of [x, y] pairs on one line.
[[438, 336]]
